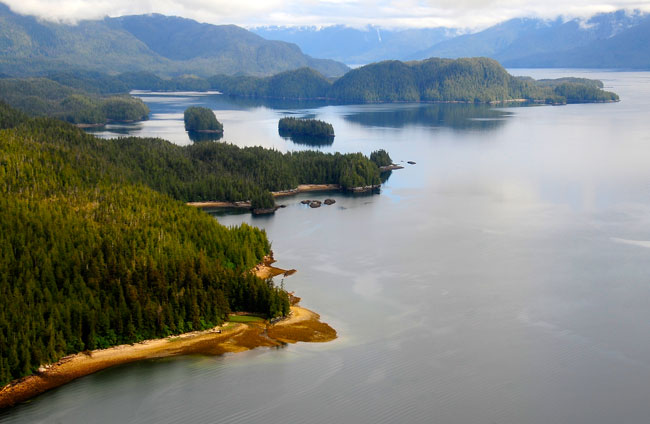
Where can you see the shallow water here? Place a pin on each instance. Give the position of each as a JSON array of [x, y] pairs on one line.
[[503, 278]]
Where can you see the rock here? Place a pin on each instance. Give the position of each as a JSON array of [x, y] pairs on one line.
[[306, 202], [411, 162], [315, 204], [265, 211], [329, 201]]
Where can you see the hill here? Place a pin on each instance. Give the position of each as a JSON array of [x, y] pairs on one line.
[[473, 80], [164, 45]]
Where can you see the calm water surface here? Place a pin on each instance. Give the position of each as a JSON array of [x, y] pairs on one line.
[[504, 278]]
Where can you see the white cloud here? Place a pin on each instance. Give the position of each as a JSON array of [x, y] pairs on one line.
[[386, 13]]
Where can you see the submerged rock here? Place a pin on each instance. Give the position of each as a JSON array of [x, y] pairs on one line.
[[306, 202], [329, 201]]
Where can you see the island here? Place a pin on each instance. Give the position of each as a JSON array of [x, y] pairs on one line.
[[306, 131], [467, 80], [201, 120]]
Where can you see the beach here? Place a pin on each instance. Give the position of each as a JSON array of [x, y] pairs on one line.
[[302, 325]]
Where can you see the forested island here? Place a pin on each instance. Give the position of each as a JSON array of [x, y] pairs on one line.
[[305, 128], [201, 119], [45, 97], [472, 80]]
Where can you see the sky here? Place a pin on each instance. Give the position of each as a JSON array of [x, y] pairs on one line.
[[475, 14]]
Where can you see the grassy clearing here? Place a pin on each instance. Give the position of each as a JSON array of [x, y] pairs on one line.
[[244, 318]]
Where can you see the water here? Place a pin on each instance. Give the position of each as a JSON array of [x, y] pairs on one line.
[[504, 278]]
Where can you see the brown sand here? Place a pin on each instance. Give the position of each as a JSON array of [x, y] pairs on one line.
[[304, 188], [265, 269]]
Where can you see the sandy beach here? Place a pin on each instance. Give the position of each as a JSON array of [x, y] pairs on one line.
[[302, 325]]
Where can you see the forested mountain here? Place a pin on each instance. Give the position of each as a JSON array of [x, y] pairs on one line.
[[611, 40], [164, 45], [478, 80], [358, 46]]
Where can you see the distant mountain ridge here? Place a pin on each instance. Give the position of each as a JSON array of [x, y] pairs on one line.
[[156, 43], [615, 40], [612, 40], [358, 46]]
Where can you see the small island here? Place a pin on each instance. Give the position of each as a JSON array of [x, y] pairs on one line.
[[201, 120], [305, 128]]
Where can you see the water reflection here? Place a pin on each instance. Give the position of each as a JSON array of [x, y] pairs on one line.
[[307, 140], [456, 116], [198, 137]]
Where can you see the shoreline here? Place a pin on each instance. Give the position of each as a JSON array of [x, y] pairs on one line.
[[301, 325], [302, 188]]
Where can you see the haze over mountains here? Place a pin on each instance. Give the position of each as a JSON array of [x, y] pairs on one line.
[[157, 43], [611, 40]]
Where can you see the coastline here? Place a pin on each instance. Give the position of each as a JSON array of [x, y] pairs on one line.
[[302, 325]]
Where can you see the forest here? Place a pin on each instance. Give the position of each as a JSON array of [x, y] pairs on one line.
[[45, 97], [201, 119], [472, 80], [98, 247], [92, 256]]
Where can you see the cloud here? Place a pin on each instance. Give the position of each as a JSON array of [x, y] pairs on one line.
[[385, 13]]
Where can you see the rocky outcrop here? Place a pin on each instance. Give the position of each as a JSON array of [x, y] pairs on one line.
[[329, 201], [315, 204], [392, 167]]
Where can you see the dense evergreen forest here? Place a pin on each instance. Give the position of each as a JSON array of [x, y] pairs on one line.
[[381, 158], [291, 126], [93, 253], [199, 119], [45, 97]]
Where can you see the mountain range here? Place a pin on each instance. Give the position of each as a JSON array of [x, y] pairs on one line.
[[609, 40], [164, 45]]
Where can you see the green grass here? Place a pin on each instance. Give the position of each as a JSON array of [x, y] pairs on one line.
[[244, 318]]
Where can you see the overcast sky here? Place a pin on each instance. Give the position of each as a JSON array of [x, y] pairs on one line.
[[386, 13]]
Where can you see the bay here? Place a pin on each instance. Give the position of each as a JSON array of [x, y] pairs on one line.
[[502, 278]]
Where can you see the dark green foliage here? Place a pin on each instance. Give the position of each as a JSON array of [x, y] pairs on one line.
[[472, 80], [262, 200], [304, 83], [291, 126], [91, 257], [201, 119], [44, 97], [576, 92], [381, 158]]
